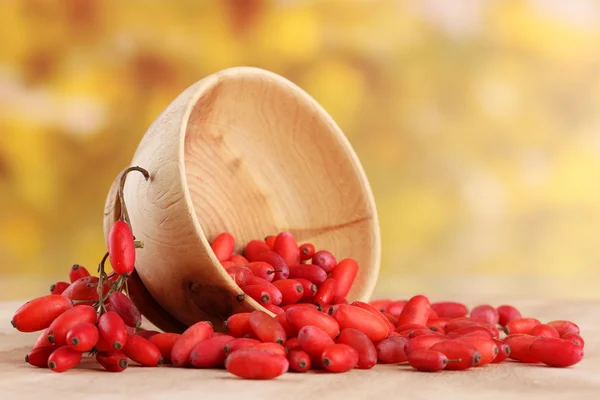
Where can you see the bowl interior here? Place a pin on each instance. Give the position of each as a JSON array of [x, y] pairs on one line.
[[262, 157]]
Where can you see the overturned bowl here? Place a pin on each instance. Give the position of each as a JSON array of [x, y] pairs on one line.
[[248, 152]]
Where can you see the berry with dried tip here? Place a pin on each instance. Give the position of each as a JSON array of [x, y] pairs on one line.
[[38, 314], [63, 359]]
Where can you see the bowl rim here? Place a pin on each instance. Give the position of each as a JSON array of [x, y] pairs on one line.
[[209, 82]]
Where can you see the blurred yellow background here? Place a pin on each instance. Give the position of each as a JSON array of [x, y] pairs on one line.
[[478, 124]]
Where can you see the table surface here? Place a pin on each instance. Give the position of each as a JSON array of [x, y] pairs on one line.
[[510, 380]]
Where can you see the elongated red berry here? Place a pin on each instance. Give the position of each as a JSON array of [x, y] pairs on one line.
[[58, 287], [290, 331], [521, 325], [310, 272], [223, 246], [180, 354], [299, 317], [307, 250], [564, 327], [344, 274], [83, 336], [63, 359], [425, 342], [520, 348], [428, 360], [503, 351], [262, 270], [395, 308], [277, 262], [291, 290], [466, 354], [270, 241], [391, 350], [142, 351], [240, 344], [339, 358], [286, 246], [121, 248], [239, 260], [325, 260], [267, 328], [416, 311], [123, 306], [367, 353], [84, 289], [274, 293], [38, 357], [292, 344], [544, 330], [112, 362], [39, 313], [375, 311], [507, 313], [240, 275], [558, 353], [326, 293], [256, 364], [210, 353], [165, 343], [575, 338], [487, 348], [275, 309], [238, 325], [485, 313], [471, 330], [77, 272], [309, 289], [254, 249], [370, 324], [258, 293], [299, 360], [112, 330], [314, 341]]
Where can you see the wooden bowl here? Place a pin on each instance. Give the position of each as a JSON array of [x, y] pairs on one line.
[[248, 152]]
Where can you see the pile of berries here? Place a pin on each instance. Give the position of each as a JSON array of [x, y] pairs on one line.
[[277, 271], [313, 326]]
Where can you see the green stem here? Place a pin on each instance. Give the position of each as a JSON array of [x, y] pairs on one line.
[[101, 277]]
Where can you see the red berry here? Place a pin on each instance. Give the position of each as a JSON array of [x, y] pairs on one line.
[[77, 272], [575, 338], [428, 360], [39, 313], [521, 325], [543, 330], [59, 287], [299, 317], [286, 246], [485, 313], [142, 351], [309, 289], [278, 263], [262, 270], [466, 354], [299, 360], [314, 341], [240, 344], [503, 351], [83, 336], [564, 327], [42, 340], [210, 353], [274, 348], [275, 309], [520, 348], [310, 272], [60, 326], [506, 314], [291, 290], [380, 304], [223, 246], [416, 311], [326, 293], [270, 241], [112, 330], [367, 353], [259, 293], [63, 358], [395, 308], [292, 344], [84, 289], [344, 274], [38, 357], [165, 343], [238, 325], [290, 331], [121, 248], [240, 275], [266, 328], [487, 348], [422, 343], [339, 358], [123, 306], [254, 249], [370, 324], [239, 260], [559, 353], [325, 260], [180, 354], [307, 250], [391, 350], [112, 362], [256, 364], [471, 330]]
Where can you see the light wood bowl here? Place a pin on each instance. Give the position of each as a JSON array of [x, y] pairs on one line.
[[248, 152]]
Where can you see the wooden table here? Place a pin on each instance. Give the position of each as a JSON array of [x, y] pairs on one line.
[[18, 380]]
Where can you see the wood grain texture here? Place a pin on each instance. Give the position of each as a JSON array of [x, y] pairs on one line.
[[494, 382], [248, 152]]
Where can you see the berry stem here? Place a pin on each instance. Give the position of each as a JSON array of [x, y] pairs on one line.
[[124, 214]]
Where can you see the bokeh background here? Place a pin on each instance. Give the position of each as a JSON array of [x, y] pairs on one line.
[[477, 121]]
